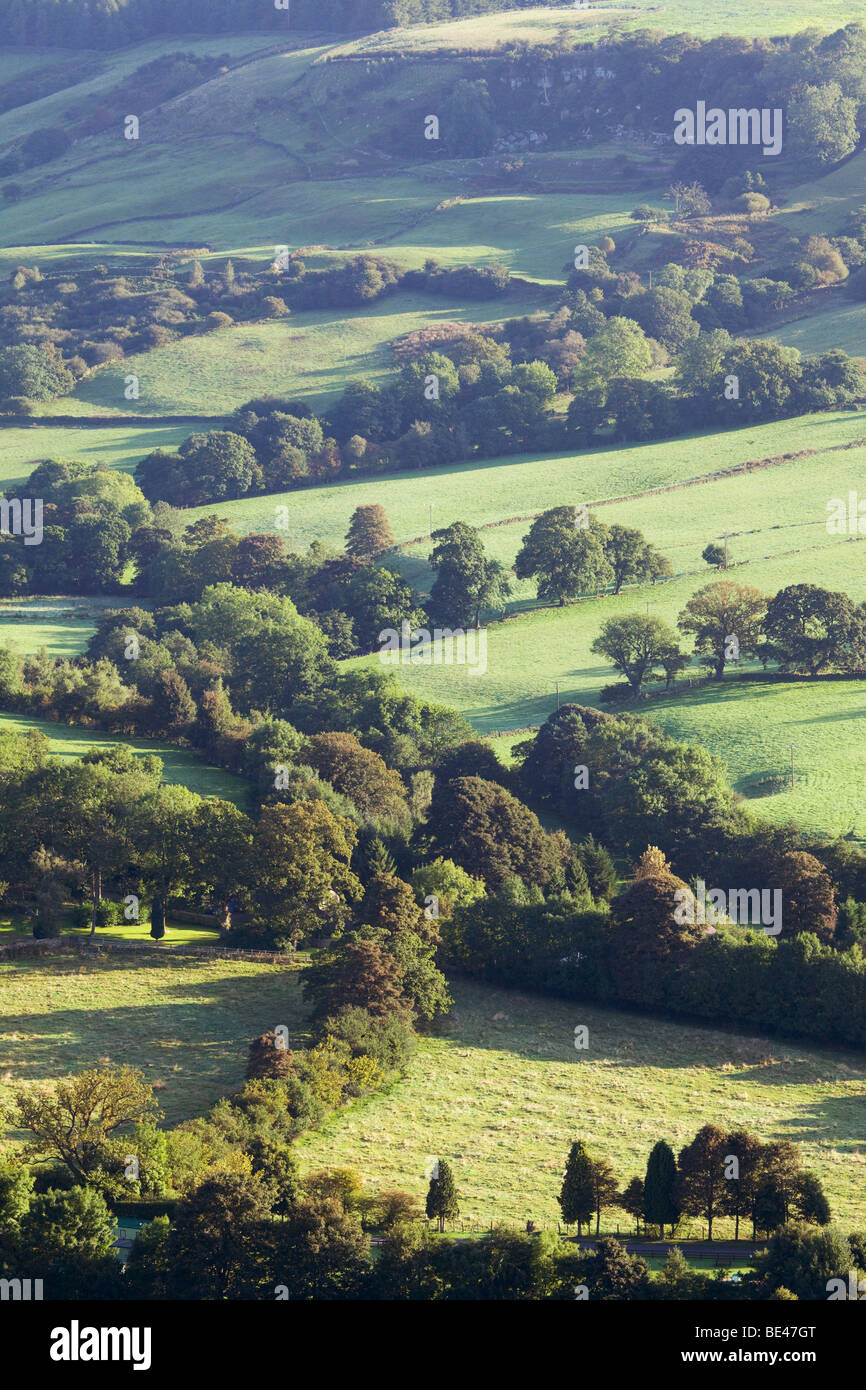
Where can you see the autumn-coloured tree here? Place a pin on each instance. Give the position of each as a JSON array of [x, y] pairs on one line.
[[808, 899], [358, 974], [76, 1121], [268, 1058], [358, 773], [726, 620], [369, 533], [702, 1183]]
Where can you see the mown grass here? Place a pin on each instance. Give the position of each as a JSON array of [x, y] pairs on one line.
[[502, 1093], [186, 1023], [180, 766], [15, 926]]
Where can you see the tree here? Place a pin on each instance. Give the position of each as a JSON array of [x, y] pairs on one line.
[[701, 1188], [808, 897], [632, 1200], [369, 533], [577, 1196], [618, 349], [491, 834], [467, 581], [68, 1238], [815, 629], [216, 1248], [738, 1196], [805, 1260], [268, 1059], [715, 554], [565, 558], [822, 124], [629, 555], [689, 199], [604, 1186], [358, 973], [810, 1201], [612, 1274], [157, 918], [442, 1204], [76, 1121], [666, 315], [660, 1205], [301, 880], [720, 613], [358, 773], [635, 645], [36, 372]]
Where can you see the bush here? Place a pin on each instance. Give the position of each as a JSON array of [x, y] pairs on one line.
[[752, 203], [107, 914], [217, 320]]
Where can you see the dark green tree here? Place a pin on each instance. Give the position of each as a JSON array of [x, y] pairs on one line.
[[660, 1206], [442, 1204]]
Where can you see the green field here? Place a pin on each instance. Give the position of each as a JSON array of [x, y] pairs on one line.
[[120, 446], [486, 492], [185, 1022], [309, 355], [62, 626], [502, 1093], [842, 325], [180, 766], [543, 23], [14, 926]]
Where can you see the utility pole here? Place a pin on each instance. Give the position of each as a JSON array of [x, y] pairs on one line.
[[792, 746], [726, 550], [556, 683], [432, 505]]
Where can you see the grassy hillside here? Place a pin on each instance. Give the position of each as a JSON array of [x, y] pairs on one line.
[[180, 765], [502, 1093], [120, 446], [185, 1023], [311, 355], [488, 491]]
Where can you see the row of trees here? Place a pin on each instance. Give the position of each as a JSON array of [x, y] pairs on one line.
[[803, 628], [718, 1174]]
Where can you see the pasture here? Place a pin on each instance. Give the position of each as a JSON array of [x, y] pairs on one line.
[[180, 767], [501, 1093], [185, 1022]]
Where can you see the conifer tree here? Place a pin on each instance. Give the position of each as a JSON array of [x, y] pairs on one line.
[[660, 1184], [442, 1203], [577, 1194]]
